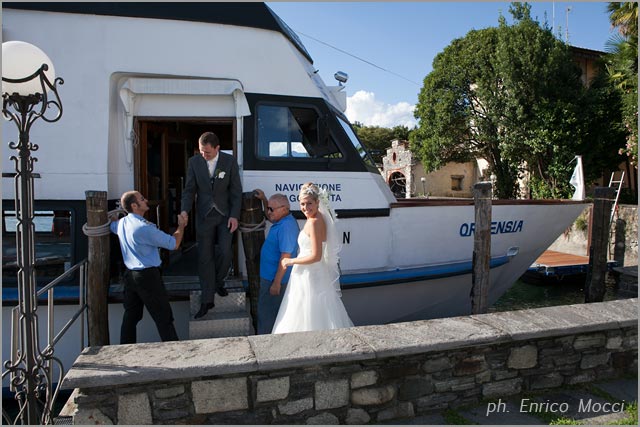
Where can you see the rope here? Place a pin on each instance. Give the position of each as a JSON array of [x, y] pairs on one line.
[[101, 230], [248, 228]]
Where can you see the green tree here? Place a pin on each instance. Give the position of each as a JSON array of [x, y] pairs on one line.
[[377, 139], [513, 96], [622, 67]]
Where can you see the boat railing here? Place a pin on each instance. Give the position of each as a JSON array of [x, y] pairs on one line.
[[45, 359]]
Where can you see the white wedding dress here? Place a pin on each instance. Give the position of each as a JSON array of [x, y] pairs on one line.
[[311, 302]]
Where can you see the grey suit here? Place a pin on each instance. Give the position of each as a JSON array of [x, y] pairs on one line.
[[215, 205]]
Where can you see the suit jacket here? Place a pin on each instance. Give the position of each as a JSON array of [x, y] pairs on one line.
[[226, 194]]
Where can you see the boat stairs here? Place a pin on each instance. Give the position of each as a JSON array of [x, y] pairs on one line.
[[229, 318]]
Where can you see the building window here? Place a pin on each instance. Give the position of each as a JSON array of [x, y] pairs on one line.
[[456, 182], [52, 242]]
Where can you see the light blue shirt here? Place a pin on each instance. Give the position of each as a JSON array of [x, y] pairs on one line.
[[140, 240], [282, 237]]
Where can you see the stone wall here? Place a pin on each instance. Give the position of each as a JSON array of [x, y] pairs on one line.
[[359, 375], [575, 239]]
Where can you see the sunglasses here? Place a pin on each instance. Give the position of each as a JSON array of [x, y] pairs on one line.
[[270, 209]]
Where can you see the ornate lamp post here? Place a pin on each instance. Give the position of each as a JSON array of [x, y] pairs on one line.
[[29, 91]]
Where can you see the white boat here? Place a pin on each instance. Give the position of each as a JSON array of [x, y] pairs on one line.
[[142, 81]]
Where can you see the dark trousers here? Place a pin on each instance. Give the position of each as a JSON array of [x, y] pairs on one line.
[[144, 288], [268, 306], [214, 254]]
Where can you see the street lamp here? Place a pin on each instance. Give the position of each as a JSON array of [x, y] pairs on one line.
[[423, 180], [29, 92]]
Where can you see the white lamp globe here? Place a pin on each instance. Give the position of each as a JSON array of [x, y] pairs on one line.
[[20, 60]]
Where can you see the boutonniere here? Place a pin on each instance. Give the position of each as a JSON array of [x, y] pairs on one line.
[[220, 174]]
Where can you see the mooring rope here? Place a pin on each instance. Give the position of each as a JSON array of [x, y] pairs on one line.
[[101, 230], [248, 228]]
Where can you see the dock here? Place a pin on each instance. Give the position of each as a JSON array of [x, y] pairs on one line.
[[559, 266]]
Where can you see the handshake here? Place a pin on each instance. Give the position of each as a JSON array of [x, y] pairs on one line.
[[183, 219]]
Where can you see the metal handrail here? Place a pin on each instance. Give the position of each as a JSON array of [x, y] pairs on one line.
[[47, 355]]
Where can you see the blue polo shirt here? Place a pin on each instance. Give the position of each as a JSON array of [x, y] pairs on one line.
[[140, 240], [282, 237]]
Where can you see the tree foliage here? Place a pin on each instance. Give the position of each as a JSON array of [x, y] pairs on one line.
[[622, 68], [377, 139], [512, 95]]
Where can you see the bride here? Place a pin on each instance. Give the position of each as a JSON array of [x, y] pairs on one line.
[[312, 300]]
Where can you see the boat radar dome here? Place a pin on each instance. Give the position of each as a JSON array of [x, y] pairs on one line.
[[341, 76]]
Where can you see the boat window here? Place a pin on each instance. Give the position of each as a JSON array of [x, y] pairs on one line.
[[52, 242], [356, 143], [293, 132]]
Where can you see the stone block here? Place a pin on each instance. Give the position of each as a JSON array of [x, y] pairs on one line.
[[272, 389], [470, 365], [567, 359], [523, 357], [363, 379], [551, 380], [435, 401], [583, 377], [228, 394], [402, 410], [455, 384], [614, 343], [357, 416], [323, 419], [398, 371], [296, 406], [502, 388], [331, 394], [483, 377], [92, 416], [134, 409], [169, 392], [592, 360], [414, 387], [504, 375], [373, 396], [436, 365], [589, 341]]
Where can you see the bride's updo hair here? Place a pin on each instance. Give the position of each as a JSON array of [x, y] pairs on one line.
[[309, 189]]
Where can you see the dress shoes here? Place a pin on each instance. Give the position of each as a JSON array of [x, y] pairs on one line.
[[204, 308], [222, 292]]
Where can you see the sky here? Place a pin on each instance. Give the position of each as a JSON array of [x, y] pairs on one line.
[[403, 38]]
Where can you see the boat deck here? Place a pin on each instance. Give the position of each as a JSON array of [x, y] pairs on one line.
[[559, 266], [560, 259]]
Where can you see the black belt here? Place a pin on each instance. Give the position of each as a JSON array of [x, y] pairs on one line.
[[144, 269]]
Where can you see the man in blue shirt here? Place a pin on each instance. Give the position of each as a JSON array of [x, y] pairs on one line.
[[281, 242], [143, 287]]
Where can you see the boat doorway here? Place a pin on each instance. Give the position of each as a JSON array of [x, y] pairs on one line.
[[161, 155]]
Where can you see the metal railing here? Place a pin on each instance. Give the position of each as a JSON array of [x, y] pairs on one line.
[[47, 362]]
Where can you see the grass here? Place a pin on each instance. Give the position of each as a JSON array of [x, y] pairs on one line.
[[632, 419]]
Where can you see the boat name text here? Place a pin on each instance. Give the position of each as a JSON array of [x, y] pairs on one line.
[[497, 227], [332, 189]]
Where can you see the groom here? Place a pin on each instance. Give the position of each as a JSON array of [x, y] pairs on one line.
[[213, 179]]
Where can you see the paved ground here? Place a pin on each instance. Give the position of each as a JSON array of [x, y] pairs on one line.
[[591, 404]]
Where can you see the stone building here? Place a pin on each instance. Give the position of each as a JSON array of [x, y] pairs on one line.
[[406, 176]]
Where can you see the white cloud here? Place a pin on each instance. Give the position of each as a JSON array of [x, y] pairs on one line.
[[364, 108]]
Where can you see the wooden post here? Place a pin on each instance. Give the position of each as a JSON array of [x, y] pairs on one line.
[[481, 247], [98, 278], [602, 204], [620, 244], [251, 216]]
